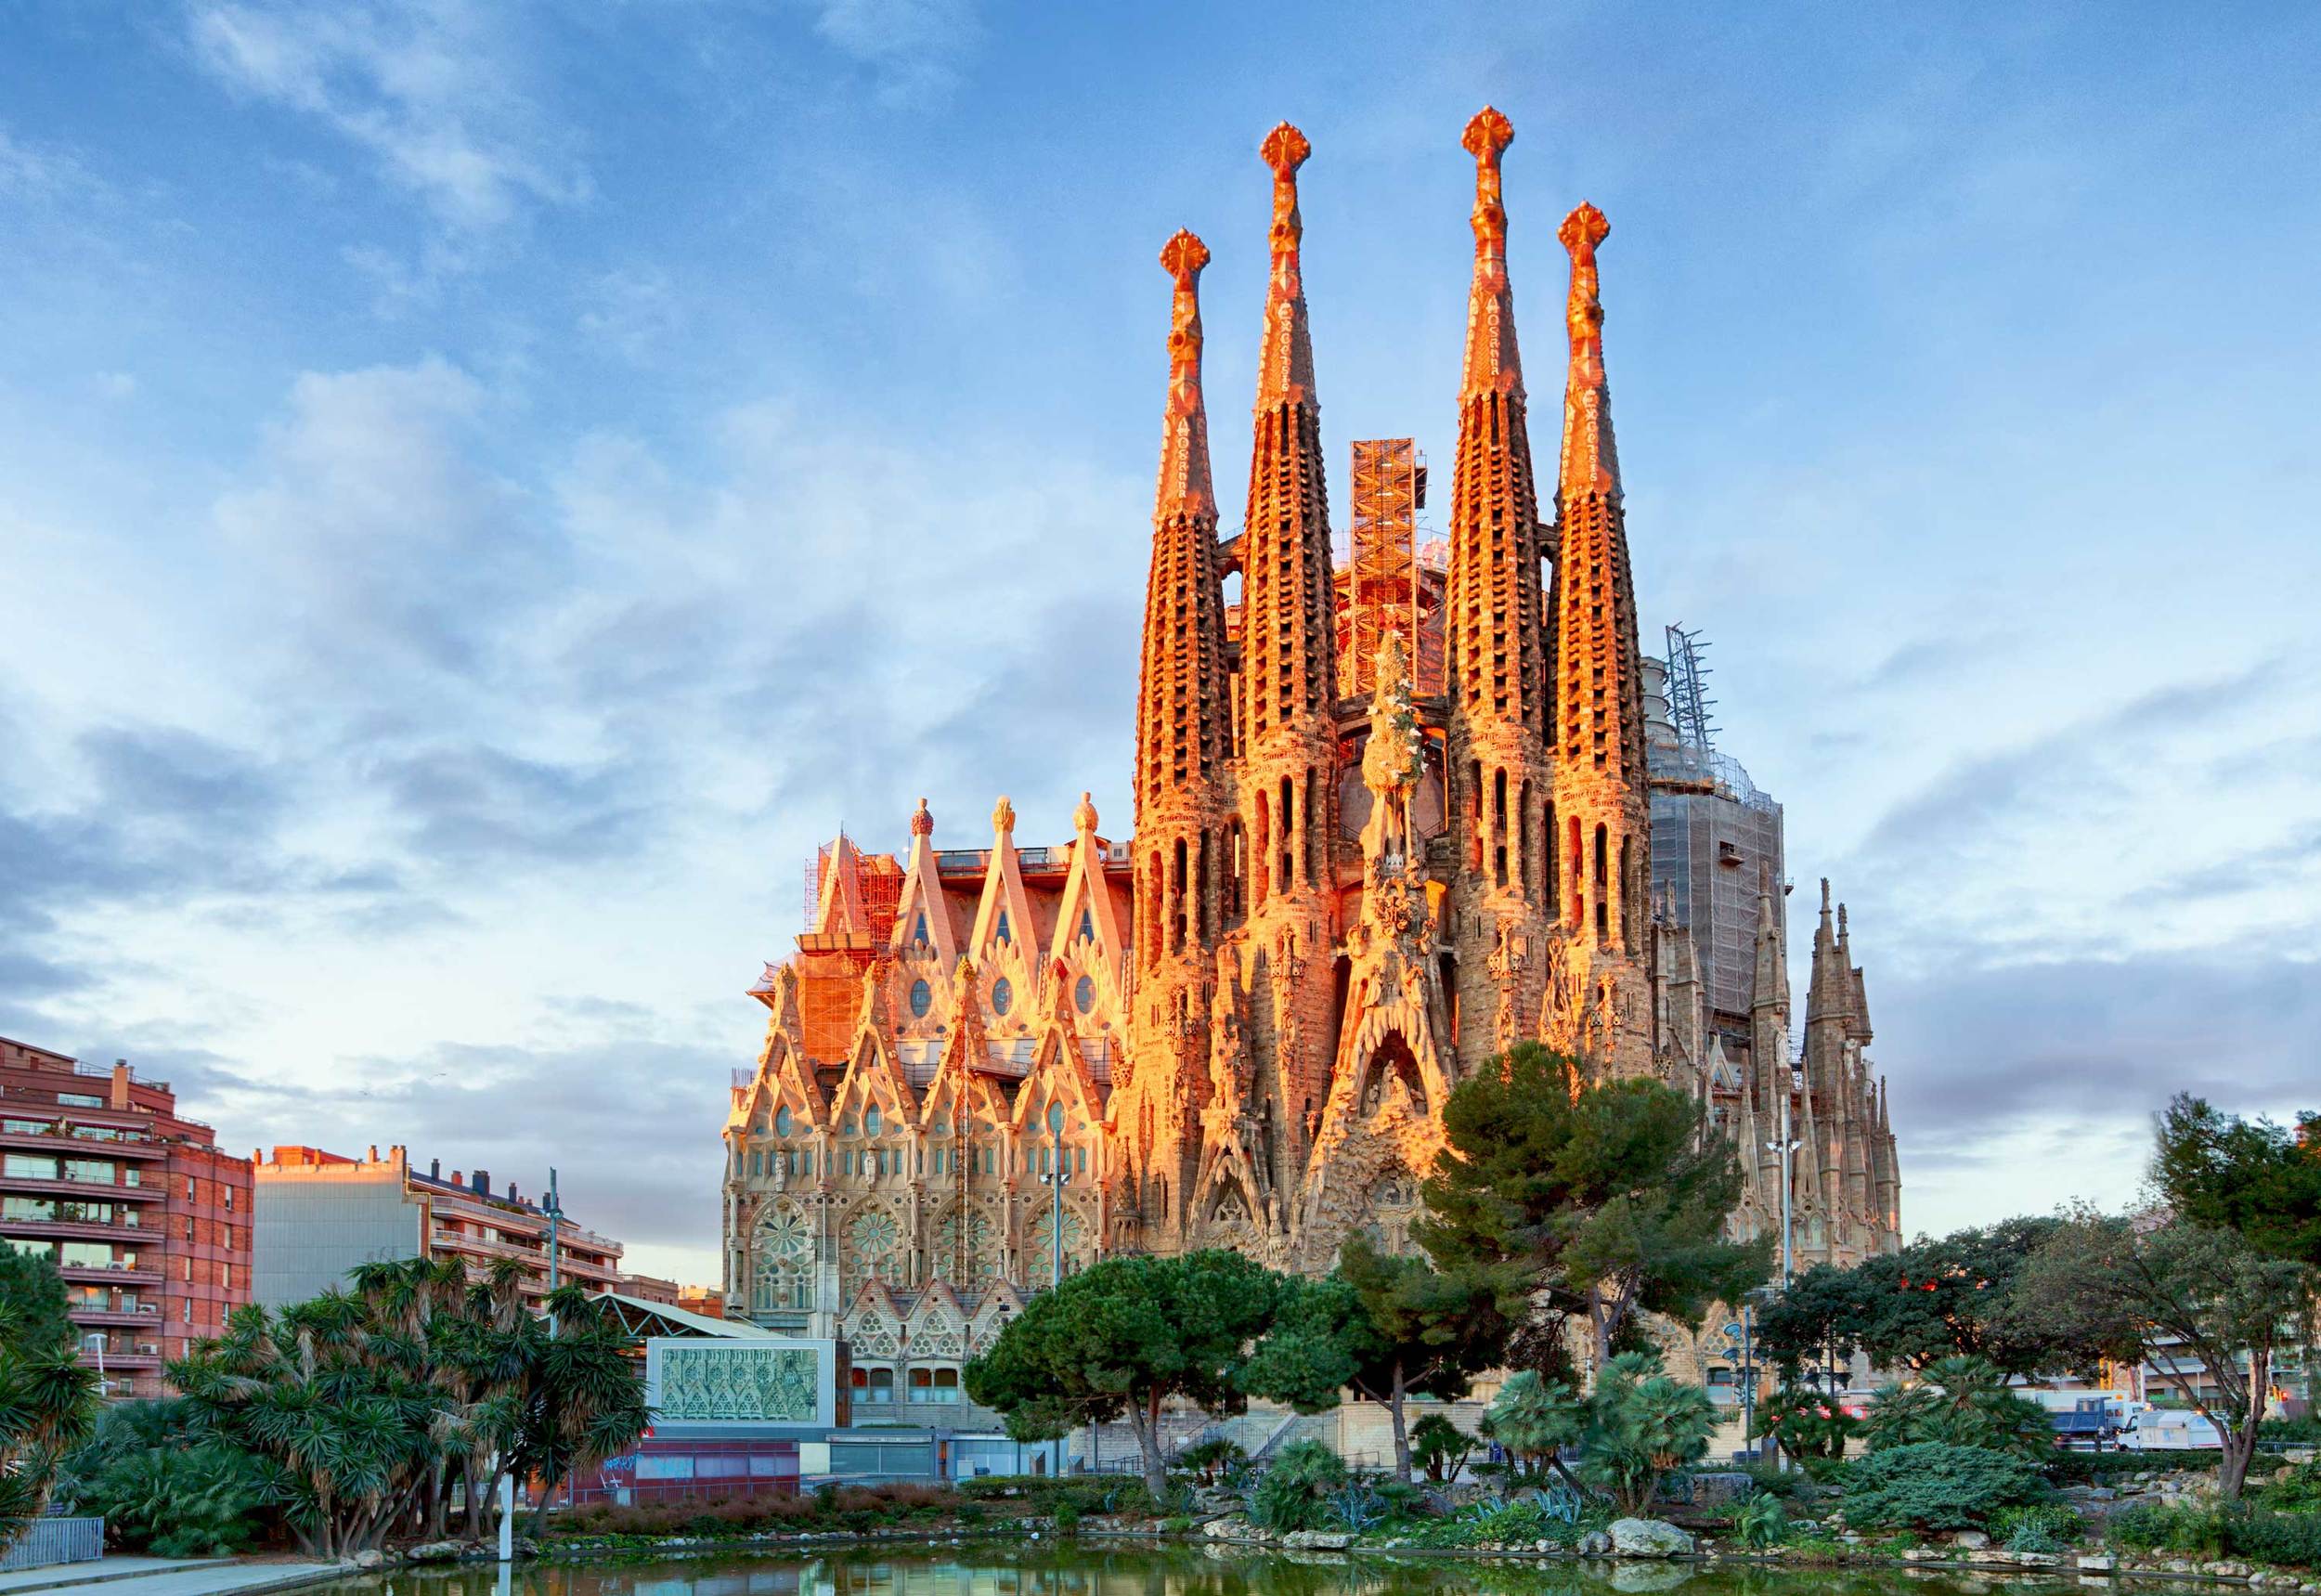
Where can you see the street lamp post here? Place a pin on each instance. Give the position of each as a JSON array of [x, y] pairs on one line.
[[1787, 1147], [555, 1223], [95, 1341], [1054, 1177]]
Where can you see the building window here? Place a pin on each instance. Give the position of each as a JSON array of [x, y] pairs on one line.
[[1000, 932], [922, 997], [873, 1385], [872, 1123], [227, 1192], [756, 1162], [934, 1386], [782, 1121], [27, 1166], [78, 1100], [1003, 996], [1084, 995]]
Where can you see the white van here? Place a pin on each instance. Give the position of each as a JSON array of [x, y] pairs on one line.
[[2170, 1430]]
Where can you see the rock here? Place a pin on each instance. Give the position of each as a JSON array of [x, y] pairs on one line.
[[369, 1558], [1647, 1578], [1317, 1540], [1649, 1538], [1595, 1543], [2096, 1562], [436, 1551], [1970, 1540]]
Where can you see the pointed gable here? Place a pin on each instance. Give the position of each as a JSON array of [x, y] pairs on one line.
[[924, 927]]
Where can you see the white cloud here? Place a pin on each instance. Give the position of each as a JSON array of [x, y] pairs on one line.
[[431, 90], [913, 46]]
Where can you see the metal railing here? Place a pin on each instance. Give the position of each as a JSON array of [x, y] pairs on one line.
[[54, 1540]]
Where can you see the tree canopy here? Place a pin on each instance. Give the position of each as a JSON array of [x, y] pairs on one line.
[[32, 1294], [1952, 1296], [2249, 1175], [48, 1401], [2198, 1301], [1386, 1326], [1124, 1336], [1609, 1198]]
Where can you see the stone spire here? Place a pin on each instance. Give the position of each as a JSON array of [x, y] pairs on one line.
[[1289, 694], [1769, 992], [1288, 667], [1181, 701], [1598, 736], [1494, 644], [1182, 740]]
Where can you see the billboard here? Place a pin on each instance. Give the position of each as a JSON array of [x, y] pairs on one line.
[[713, 1381]]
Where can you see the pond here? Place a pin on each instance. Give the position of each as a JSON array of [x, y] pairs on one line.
[[1097, 1568]]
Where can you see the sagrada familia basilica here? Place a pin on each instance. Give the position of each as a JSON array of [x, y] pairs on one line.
[[1238, 1027]]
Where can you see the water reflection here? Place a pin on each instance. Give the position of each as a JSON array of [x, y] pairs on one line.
[[1092, 1569]]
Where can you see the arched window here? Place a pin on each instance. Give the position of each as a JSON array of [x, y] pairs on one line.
[[782, 1121], [922, 999], [1084, 995], [1000, 931], [872, 1124], [1003, 996]]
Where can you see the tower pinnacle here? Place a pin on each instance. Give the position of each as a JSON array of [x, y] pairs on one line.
[[1285, 368], [1492, 362], [1184, 483], [1590, 464]]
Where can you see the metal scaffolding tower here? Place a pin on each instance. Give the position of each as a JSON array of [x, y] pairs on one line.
[[1689, 703], [1389, 492]]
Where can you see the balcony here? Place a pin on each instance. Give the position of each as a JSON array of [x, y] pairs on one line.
[[91, 1190], [76, 1230], [112, 1274], [115, 1313], [131, 1143]]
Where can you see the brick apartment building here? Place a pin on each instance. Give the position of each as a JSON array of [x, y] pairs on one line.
[[320, 1214], [146, 1218]]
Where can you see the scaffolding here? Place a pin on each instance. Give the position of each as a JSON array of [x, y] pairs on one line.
[[1689, 703], [1383, 587], [877, 886]]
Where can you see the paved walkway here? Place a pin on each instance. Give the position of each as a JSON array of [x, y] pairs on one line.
[[165, 1576]]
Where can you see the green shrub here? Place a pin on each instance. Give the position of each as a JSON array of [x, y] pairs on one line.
[[1067, 1518], [1760, 1521], [2147, 1527], [1294, 1491], [2047, 1527], [2286, 1537], [1930, 1485], [2071, 1468], [2296, 1489], [196, 1502], [1213, 1457], [1768, 1478]]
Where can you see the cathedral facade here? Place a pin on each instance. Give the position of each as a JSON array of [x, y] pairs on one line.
[[990, 1064]]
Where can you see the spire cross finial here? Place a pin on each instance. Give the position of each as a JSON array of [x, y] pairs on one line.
[[1581, 232], [1285, 151], [1184, 483], [1486, 137]]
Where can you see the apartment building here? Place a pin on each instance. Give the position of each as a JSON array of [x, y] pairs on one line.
[[147, 1219], [319, 1213]]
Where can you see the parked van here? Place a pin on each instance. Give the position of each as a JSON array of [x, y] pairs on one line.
[[2170, 1430]]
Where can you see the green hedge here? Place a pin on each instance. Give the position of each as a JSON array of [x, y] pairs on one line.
[[2072, 1468], [2291, 1539]]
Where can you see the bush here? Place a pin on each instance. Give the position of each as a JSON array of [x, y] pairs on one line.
[[196, 1502], [2147, 1527], [2071, 1468], [1294, 1492], [2292, 1538], [2047, 1527], [1768, 1478], [2294, 1489], [1930, 1485], [2254, 1532], [1760, 1521]]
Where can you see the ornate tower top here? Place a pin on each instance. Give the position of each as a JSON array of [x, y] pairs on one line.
[[1590, 464], [1085, 816], [1184, 483], [1289, 668], [1003, 816], [922, 823], [1492, 362], [1285, 371]]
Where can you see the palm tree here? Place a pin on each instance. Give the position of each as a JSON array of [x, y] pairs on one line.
[[586, 1404], [47, 1402], [1962, 1402], [1534, 1419]]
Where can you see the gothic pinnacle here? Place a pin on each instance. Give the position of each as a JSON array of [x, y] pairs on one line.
[[1185, 487], [1285, 368], [1590, 464], [1491, 362]]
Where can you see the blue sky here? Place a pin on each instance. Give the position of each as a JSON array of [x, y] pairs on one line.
[[485, 487]]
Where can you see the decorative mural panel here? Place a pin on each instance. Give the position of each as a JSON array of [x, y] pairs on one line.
[[717, 1380]]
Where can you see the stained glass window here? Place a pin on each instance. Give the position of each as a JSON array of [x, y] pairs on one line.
[[782, 1121], [922, 999], [1003, 995], [1085, 993]]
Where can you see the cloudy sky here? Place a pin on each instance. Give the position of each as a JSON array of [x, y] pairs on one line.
[[484, 487]]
